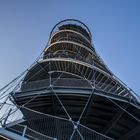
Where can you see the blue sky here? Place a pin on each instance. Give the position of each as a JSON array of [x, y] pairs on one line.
[[115, 26]]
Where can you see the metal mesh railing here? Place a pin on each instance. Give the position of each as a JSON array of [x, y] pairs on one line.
[[63, 82], [23, 130], [47, 127], [72, 83]]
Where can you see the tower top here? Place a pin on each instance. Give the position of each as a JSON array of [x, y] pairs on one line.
[[72, 24]]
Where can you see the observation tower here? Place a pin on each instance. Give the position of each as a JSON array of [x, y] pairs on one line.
[[70, 94]]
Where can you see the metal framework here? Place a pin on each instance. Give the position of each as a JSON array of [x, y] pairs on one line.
[[69, 94]]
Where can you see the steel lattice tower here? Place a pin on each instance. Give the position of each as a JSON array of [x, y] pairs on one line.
[[70, 94]]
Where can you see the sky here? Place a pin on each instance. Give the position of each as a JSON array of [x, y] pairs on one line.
[[115, 26]]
